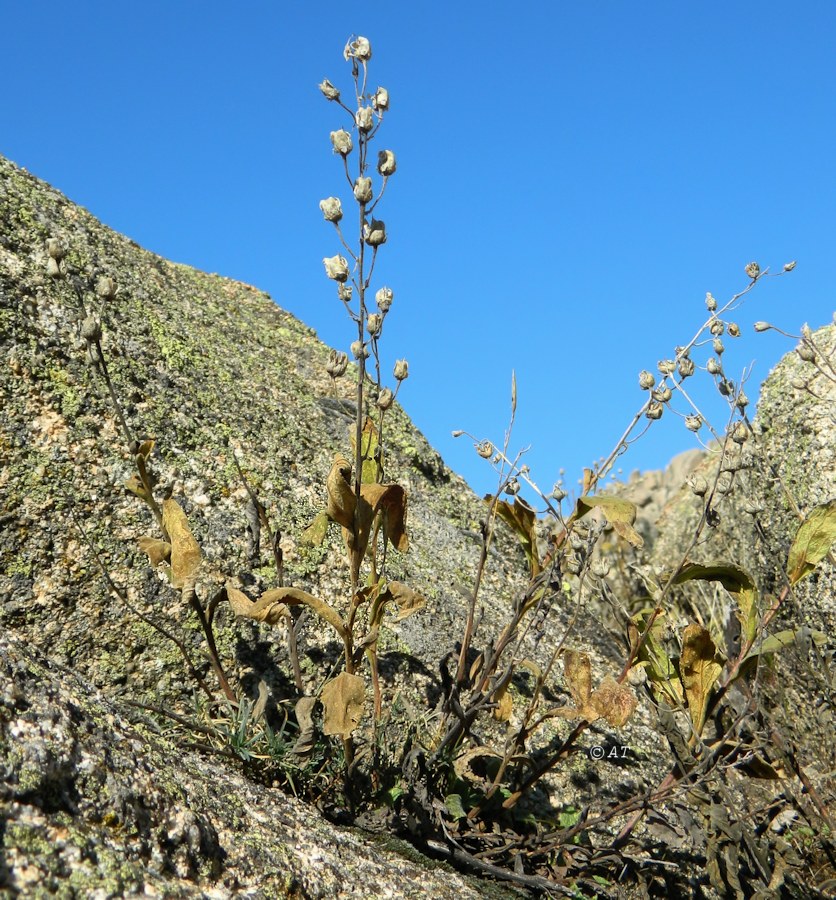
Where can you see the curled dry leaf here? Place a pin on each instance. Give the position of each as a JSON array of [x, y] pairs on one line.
[[522, 520], [270, 612], [304, 719], [464, 765], [158, 551], [273, 605], [343, 699], [613, 701], [620, 513], [699, 669], [185, 551], [341, 499]]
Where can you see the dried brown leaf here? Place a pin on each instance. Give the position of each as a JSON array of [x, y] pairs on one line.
[[699, 670], [343, 699], [158, 551], [185, 551]]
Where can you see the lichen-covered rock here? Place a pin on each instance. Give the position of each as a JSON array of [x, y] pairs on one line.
[[94, 804]]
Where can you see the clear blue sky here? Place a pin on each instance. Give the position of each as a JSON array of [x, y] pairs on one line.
[[572, 178]]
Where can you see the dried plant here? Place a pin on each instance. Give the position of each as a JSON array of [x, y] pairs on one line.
[[459, 786]]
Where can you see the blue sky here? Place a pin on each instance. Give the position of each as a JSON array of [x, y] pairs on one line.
[[572, 179]]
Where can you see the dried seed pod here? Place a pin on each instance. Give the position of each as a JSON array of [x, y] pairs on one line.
[[558, 493], [685, 367], [734, 329], [91, 329], [698, 484], [714, 366], [336, 267], [655, 410], [485, 449], [717, 327], [710, 302], [646, 380], [384, 298], [741, 401], [359, 349], [401, 370], [717, 344], [806, 352], [662, 393], [337, 364], [380, 101], [364, 118], [385, 400], [753, 270], [693, 423], [329, 91], [345, 292], [386, 163], [374, 233], [788, 267], [363, 190], [725, 482], [726, 387], [358, 48], [332, 209], [512, 488], [341, 141], [740, 434], [762, 326], [374, 324], [752, 507], [54, 268], [666, 366], [799, 384]]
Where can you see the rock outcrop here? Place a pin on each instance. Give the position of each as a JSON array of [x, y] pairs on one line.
[[96, 799]]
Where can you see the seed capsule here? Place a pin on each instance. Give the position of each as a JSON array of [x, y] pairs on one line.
[[693, 423], [363, 190], [380, 101], [806, 352], [686, 367], [91, 329], [710, 302], [337, 364], [385, 400], [485, 449], [698, 484], [666, 366], [359, 48], [374, 323], [106, 287], [714, 366], [336, 267], [341, 141], [332, 209], [365, 118], [753, 270], [359, 349], [734, 329], [762, 326], [384, 298], [646, 380], [386, 163], [375, 233], [655, 410], [329, 91], [401, 370]]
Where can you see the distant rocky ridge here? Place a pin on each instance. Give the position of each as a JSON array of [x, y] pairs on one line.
[[92, 793]]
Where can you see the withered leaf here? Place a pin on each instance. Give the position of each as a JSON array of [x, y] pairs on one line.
[[614, 701], [343, 699], [407, 600], [520, 517], [505, 703], [487, 760], [135, 486], [699, 669], [391, 501], [737, 581], [145, 448], [812, 542], [291, 596], [341, 499], [270, 612], [620, 513], [185, 551], [304, 718], [158, 551]]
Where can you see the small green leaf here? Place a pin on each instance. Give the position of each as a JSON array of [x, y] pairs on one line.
[[813, 541], [454, 805]]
